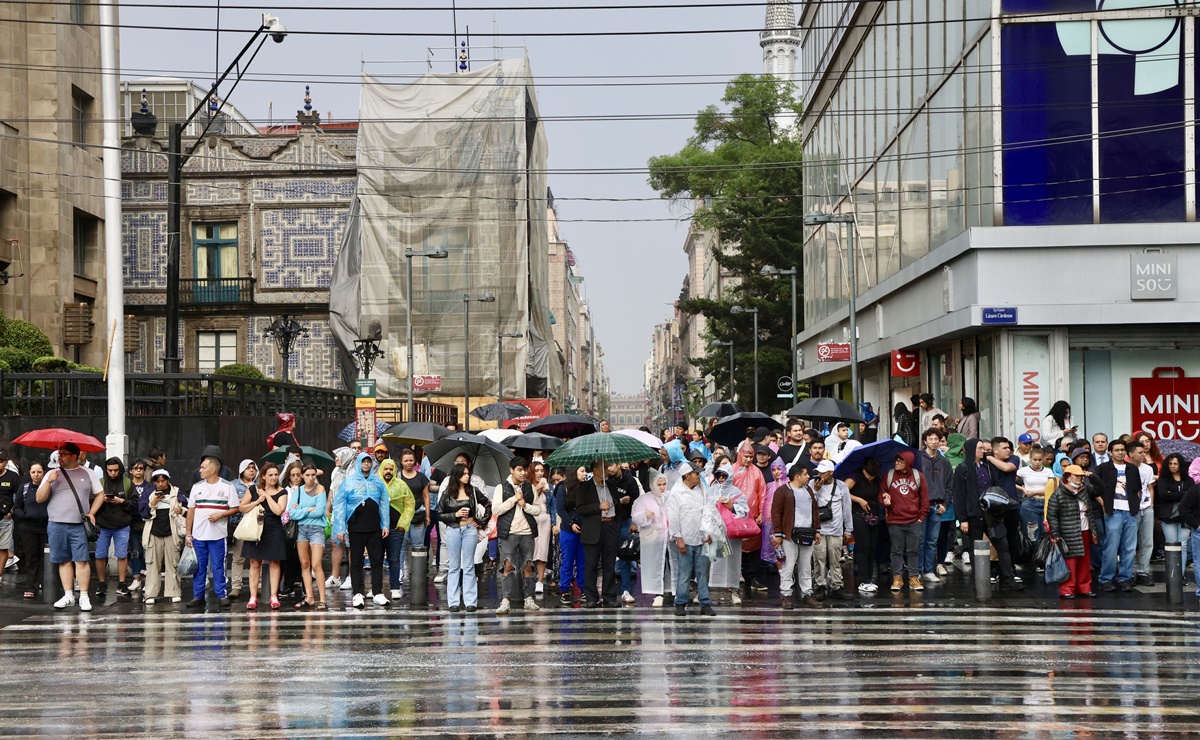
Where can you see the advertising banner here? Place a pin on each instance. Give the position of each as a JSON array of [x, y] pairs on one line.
[[1031, 383], [539, 408], [1167, 404]]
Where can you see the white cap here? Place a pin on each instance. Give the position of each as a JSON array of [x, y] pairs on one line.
[[825, 466], [161, 471]]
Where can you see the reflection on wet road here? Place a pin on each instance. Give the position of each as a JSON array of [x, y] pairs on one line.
[[889, 672]]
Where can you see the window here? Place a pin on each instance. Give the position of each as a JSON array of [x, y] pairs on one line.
[[81, 108], [217, 265], [77, 11], [215, 349], [83, 240]]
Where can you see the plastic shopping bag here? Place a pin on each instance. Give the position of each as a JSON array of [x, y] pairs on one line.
[[1056, 566], [187, 562]]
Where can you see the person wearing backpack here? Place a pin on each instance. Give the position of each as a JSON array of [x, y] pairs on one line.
[[906, 499]]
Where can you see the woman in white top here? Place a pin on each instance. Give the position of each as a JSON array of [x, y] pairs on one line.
[[541, 545], [839, 444], [650, 522], [1058, 423]]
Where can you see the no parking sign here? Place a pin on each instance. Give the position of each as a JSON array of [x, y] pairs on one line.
[[1167, 404]]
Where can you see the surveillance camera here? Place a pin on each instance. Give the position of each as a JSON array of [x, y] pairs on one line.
[[271, 25]]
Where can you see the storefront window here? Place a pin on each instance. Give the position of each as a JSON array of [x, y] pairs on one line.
[[985, 375], [941, 380]]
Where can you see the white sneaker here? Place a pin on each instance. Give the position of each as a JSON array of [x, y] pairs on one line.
[[396, 593], [331, 581], [931, 578], [176, 599], [539, 588], [440, 578], [941, 570], [12, 562], [628, 598], [504, 607], [381, 600], [136, 585], [85, 604], [358, 601], [346, 585], [531, 605], [864, 588], [67, 600], [149, 600], [735, 598], [949, 557], [658, 601]]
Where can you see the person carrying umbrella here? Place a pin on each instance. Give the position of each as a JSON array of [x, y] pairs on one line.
[[595, 509]]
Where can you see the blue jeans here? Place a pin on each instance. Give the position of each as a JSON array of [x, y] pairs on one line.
[[460, 544], [1032, 511], [1120, 543], [1195, 548], [1098, 537], [1176, 532], [394, 549], [416, 533], [1145, 539], [137, 557], [927, 559], [626, 568], [209, 552], [572, 567], [692, 564]]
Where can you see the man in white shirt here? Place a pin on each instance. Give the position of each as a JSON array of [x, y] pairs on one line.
[[685, 515], [212, 501], [1121, 485], [1145, 524], [516, 530], [827, 570]]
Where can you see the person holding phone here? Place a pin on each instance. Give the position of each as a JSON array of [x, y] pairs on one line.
[[464, 511], [163, 507]]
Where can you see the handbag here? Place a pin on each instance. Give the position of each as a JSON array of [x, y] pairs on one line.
[[251, 527], [1056, 566], [825, 513], [631, 549], [89, 527], [738, 528]]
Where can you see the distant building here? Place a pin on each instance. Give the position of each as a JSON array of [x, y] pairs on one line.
[[628, 412]]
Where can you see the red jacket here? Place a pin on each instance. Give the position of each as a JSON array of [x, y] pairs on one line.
[[909, 494]]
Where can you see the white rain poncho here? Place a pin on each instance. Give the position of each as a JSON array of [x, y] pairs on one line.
[[650, 517]]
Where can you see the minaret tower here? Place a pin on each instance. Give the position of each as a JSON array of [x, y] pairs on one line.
[[780, 40]]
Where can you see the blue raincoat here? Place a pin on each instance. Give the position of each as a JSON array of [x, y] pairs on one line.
[[355, 489]]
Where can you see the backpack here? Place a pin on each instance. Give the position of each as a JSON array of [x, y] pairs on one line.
[[916, 474]]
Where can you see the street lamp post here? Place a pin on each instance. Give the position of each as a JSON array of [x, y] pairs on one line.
[[719, 343], [768, 270], [467, 299], [500, 360], [437, 254], [743, 309], [176, 160], [366, 350], [816, 218], [285, 330]]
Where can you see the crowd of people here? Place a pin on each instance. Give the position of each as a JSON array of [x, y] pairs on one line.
[[779, 515]]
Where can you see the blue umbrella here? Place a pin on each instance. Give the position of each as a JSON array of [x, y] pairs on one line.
[[885, 451], [347, 434]]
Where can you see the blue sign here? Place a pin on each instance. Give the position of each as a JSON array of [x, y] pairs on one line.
[[999, 315]]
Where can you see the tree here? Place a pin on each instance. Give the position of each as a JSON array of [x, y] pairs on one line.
[[744, 162]]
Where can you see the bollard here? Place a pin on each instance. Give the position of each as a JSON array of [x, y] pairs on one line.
[[1174, 565], [981, 564], [418, 575], [51, 583]]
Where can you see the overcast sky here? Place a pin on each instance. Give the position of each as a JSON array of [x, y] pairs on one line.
[[632, 269]]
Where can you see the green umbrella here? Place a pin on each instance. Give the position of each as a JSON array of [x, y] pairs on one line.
[[611, 448], [320, 458]]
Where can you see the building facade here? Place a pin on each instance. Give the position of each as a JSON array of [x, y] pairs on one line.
[[627, 412], [1023, 189], [51, 174]]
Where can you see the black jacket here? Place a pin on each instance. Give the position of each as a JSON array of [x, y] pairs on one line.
[[1062, 513], [964, 488], [1189, 509], [117, 515], [448, 506], [583, 503], [621, 487], [504, 521], [1107, 473], [10, 483], [29, 515], [1169, 492]]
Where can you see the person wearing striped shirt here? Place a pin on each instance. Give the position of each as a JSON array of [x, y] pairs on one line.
[[212, 501]]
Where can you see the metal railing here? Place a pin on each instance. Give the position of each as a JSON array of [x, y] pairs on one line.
[[394, 411], [86, 394], [205, 291]]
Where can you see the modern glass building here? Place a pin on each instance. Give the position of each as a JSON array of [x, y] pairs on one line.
[[1022, 176]]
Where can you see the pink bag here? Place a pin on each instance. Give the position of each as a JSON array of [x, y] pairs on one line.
[[738, 529]]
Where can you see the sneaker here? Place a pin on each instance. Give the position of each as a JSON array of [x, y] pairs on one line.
[[914, 584], [897, 583], [149, 601], [85, 604], [472, 608], [931, 578], [331, 581], [176, 599], [658, 601], [346, 584], [539, 588], [680, 610], [566, 599], [136, 585], [941, 570], [194, 603], [440, 578], [67, 600], [453, 608], [224, 602], [707, 611], [123, 590], [531, 605], [627, 598], [1144, 579], [396, 594], [949, 558], [864, 588], [11, 562], [734, 599], [381, 600], [504, 607], [872, 586], [358, 601]]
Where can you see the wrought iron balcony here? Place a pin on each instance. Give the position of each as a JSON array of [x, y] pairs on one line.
[[220, 291]]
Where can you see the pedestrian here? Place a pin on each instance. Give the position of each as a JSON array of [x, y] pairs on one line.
[[593, 507], [834, 497], [1069, 520], [863, 486], [794, 447], [571, 571], [1032, 480], [210, 504], [949, 547], [741, 495], [442, 480], [68, 491], [928, 411], [968, 422], [465, 512], [1006, 524], [164, 508], [625, 491], [768, 565], [400, 514], [1081, 457], [344, 458], [30, 520], [1169, 493], [138, 484], [307, 506], [1189, 518], [359, 522], [418, 483], [247, 473], [267, 500], [796, 519], [686, 506], [905, 424], [650, 522], [1121, 485], [10, 483], [1138, 454], [839, 444], [937, 472], [1058, 423], [516, 528], [114, 513], [1100, 449], [545, 522], [906, 500]]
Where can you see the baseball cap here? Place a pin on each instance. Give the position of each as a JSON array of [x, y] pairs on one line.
[[764, 450], [1073, 470], [380, 446], [160, 472], [825, 466], [693, 468], [1025, 439]]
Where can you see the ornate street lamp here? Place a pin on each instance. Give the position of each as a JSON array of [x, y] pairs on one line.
[[285, 330], [366, 350]]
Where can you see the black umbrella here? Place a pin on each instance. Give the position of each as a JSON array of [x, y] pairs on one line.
[[563, 425], [719, 409], [535, 441], [418, 433], [826, 409], [489, 459], [500, 411], [732, 429]]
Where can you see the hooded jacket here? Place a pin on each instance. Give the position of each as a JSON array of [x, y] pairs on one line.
[[909, 493], [116, 515], [954, 449], [400, 496], [365, 496]]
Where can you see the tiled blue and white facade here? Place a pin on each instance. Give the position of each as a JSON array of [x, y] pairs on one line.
[[289, 195]]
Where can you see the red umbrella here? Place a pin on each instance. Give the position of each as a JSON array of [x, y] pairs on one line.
[[50, 439]]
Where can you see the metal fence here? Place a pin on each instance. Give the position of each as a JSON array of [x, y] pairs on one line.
[[86, 394]]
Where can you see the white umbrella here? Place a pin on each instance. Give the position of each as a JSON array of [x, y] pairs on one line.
[[500, 435], [644, 437]]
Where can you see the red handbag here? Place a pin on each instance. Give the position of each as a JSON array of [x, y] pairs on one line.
[[738, 529]]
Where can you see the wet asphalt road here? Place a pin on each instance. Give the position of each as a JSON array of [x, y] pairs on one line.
[[934, 664]]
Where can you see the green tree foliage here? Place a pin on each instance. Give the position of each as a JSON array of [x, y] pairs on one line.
[[745, 165], [25, 336], [236, 370], [18, 360]]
